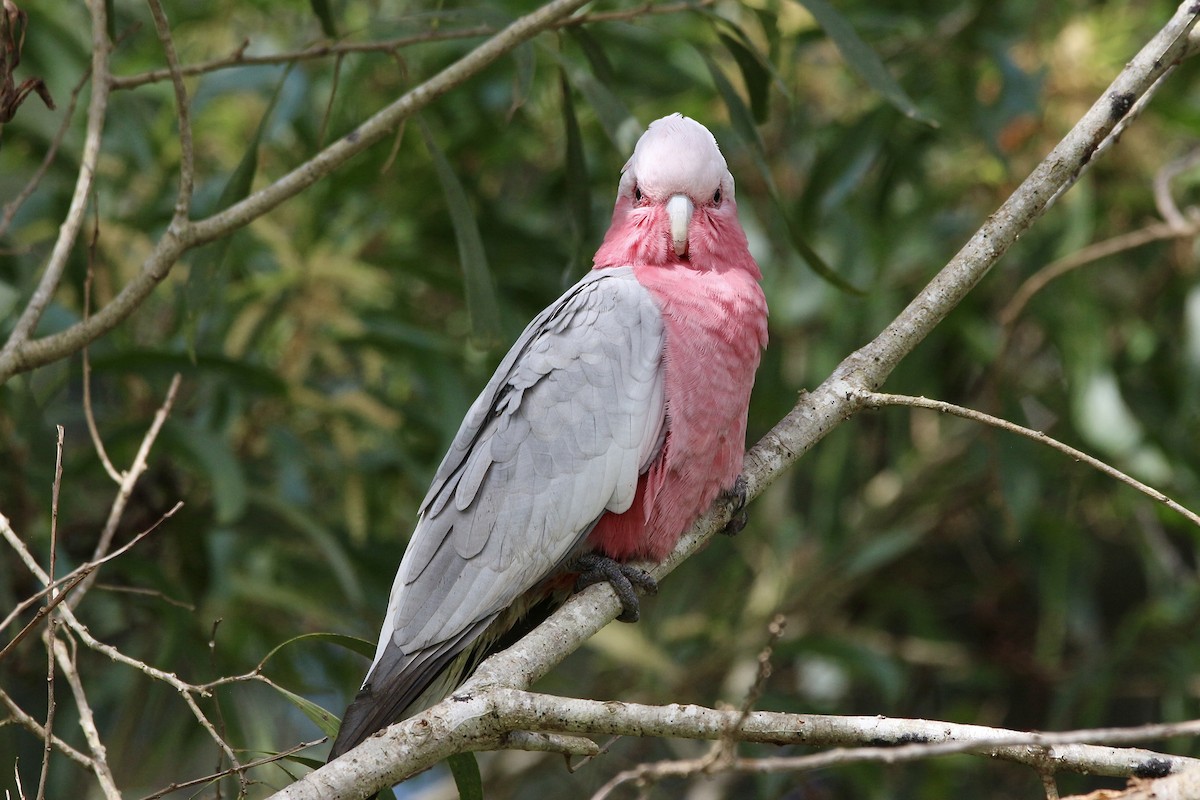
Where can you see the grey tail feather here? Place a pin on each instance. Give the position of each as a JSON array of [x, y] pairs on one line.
[[400, 686]]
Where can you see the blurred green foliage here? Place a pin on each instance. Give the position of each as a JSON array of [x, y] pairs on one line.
[[928, 567]]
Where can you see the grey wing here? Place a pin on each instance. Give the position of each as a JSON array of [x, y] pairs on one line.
[[561, 433]]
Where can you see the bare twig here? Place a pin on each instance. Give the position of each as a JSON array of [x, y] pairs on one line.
[[239, 57], [258, 762], [22, 353], [723, 753], [51, 635], [62, 587], [1163, 198], [481, 715], [129, 479], [87, 722], [69, 230], [25, 720], [162, 26], [1176, 225], [879, 400], [88, 414], [1155, 232], [13, 206], [43, 612]]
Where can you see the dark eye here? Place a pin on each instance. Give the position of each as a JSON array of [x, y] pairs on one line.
[[637, 194], [717, 197]]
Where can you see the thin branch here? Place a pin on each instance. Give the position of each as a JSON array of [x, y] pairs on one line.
[[22, 718], [51, 635], [1155, 232], [63, 586], [185, 690], [129, 479], [88, 414], [87, 722], [239, 58], [22, 354], [722, 756], [476, 719], [43, 612], [258, 762], [69, 230], [879, 400], [1163, 198], [162, 27], [13, 206]]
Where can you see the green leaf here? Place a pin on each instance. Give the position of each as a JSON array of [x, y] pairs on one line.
[[579, 197], [593, 51], [325, 15], [619, 123], [208, 273], [211, 451], [322, 538], [325, 720], [754, 75], [883, 549], [743, 124], [523, 80], [247, 377], [477, 278], [465, 770], [351, 643], [8, 299], [863, 60]]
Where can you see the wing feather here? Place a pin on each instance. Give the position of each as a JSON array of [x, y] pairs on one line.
[[562, 431]]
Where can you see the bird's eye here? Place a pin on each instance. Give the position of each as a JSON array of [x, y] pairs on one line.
[[637, 194], [717, 197]]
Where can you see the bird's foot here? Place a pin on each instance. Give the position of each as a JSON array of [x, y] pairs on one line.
[[738, 515], [597, 568]]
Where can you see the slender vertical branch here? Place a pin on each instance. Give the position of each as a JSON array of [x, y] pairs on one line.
[[51, 635], [87, 722], [129, 479], [22, 353], [162, 26], [67, 234]]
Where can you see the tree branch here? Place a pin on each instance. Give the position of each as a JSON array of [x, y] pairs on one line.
[[21, 353], [418, 742], [69, 231], [239, 58], [880, 400]]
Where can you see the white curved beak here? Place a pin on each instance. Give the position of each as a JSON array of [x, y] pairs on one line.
[[679, 211]]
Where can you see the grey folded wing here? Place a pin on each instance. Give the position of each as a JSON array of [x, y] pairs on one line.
[[572, 417]]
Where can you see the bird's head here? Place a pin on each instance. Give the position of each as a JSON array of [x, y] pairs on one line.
[[675, 202]]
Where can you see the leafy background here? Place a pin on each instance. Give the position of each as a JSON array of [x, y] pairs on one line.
[[928, 567]]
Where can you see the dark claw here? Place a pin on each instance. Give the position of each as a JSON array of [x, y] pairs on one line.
[[597, 568], [739, 516]]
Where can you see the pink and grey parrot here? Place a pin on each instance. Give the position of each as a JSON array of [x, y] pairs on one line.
[[616, 419]]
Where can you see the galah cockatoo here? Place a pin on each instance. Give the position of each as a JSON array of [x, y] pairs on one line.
[[616, 419]]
